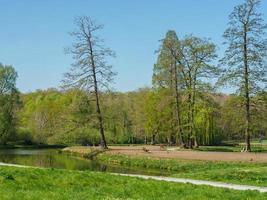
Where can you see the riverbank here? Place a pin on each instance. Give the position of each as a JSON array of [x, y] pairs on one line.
[[29, 183], [250, 173], [33, 146]]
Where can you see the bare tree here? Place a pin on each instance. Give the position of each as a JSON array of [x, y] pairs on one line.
[[246, 54], [90, 71]]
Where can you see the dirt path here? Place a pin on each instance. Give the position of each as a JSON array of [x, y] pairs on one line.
[[176, 180], [154, 151]]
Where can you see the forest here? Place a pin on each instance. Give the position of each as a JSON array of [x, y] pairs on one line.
[[185, 105]]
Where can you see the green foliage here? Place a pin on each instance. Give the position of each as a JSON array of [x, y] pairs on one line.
[[53, 117], [180, 70], [163, 72], [9, 103], [233, 117], [144, 116]]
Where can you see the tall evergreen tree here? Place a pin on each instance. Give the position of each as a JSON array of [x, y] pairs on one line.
[[166, 76]]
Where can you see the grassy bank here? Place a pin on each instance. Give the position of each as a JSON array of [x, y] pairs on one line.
[[20, 183], [231, 172]]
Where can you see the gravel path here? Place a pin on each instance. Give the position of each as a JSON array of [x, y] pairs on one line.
[[176, 180], [198, 182]]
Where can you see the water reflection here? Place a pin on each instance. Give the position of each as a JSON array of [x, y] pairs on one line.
[[50, 158]]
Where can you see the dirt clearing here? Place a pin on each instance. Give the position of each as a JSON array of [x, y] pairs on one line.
[[172, 153]]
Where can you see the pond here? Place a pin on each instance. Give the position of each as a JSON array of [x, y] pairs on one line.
[[52, 158]]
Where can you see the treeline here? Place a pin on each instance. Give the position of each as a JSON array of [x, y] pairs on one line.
[[147, 115], [143, 116]]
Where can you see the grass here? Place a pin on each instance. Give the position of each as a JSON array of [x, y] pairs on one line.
[[236, 146], [49, 184], [219, 148], [255, 148], [230, 172]]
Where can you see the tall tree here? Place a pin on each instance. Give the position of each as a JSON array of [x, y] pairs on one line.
[[245, 56], [90, 72], [166, 76], [9, 101], [194, 57]]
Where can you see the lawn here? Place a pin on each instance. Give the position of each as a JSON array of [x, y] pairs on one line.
[[229, 172], [26, 183], [246, 173]]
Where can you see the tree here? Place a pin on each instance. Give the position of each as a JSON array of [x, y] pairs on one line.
[[182, 67], [206, 120], [154, 115], [8, 77], [194, 57], [90, 72], [9, 101], [167, 76], [245, 56]]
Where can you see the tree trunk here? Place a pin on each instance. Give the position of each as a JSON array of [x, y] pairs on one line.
[[247, 97], [193, 111], [153, 139], [179, 136], [190, 130], [103, 142]]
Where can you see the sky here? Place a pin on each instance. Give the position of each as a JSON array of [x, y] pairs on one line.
[[34, 33]]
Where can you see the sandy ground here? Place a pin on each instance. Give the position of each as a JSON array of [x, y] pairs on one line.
[[156, 152]]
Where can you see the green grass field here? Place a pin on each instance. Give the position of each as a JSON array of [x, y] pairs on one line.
[[27, 184], [229, 172]]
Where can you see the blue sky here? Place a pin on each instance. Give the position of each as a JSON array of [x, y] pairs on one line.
[[34, 33]]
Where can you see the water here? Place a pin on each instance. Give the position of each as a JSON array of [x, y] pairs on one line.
[[52, 158]]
